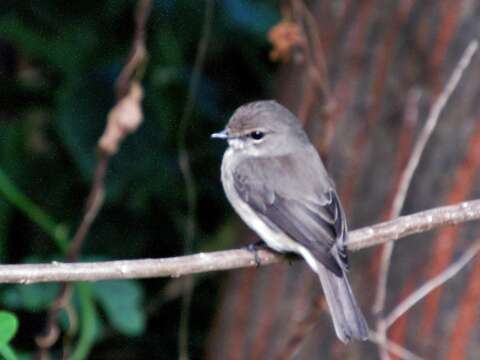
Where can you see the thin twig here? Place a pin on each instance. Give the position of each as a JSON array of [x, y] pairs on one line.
[[96, 195], [138, 52], [231, 259], [316, 55], [406, 179], [94, 203], [316, 82], [410, 119], [430, 125], [432, 284], [187, 173], [413, 162], [300, 333], [393, 347]]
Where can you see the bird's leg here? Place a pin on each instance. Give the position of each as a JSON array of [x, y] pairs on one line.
[[261, 245], [254, 247]]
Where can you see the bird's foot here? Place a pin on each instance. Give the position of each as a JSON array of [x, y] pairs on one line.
[[254, 247]]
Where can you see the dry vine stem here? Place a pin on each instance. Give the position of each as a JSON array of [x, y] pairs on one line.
[[124, 118], [231, 259]]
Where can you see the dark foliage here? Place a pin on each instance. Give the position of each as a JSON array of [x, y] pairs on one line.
[[58, 64]]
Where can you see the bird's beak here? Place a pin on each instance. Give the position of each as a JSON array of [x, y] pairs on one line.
[[220, 135]]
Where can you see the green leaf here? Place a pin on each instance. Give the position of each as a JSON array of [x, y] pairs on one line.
[[7, 352], [44, 46], [88, 320], [32, 297], [8, 326], [33, 212], [122, 302]]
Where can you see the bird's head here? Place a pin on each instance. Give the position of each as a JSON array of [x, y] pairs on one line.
[[262, 128]]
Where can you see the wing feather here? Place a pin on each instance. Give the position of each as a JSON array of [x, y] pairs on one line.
[[298, 204]]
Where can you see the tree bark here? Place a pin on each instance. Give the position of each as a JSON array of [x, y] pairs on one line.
[[387, 61]]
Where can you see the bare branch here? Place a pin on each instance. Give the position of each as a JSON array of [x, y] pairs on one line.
[[406, 179], [432, 284], [231, 259], [413, 162], [413, 224], [393, 347], [430, 125]]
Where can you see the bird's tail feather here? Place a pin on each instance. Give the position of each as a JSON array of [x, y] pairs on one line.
[[348, 319]]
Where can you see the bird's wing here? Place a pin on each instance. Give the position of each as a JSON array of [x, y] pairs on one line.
[[297, 203]]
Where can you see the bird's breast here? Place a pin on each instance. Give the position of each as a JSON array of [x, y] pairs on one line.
[[273, 237]]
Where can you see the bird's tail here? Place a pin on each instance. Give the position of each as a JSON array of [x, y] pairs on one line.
[[348, 319]]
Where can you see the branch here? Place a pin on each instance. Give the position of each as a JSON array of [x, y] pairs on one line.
[[393, 347], [413, 162], [432, 284], [231, 259], [406, 179]]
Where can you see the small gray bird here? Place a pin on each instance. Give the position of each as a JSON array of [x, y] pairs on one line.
[[275, 180]]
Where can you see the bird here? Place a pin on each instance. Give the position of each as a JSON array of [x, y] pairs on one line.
[[275, 180]]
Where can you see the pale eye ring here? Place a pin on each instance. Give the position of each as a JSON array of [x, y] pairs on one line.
[[257, 135]]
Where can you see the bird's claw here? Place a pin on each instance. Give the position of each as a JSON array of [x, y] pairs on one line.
[[253, 248]]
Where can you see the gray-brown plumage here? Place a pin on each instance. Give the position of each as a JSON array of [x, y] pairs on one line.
[[276, 181]]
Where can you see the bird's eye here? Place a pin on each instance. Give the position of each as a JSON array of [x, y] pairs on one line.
[[257, 135]]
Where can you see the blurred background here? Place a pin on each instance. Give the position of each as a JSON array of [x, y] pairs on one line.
[[362, 77]]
